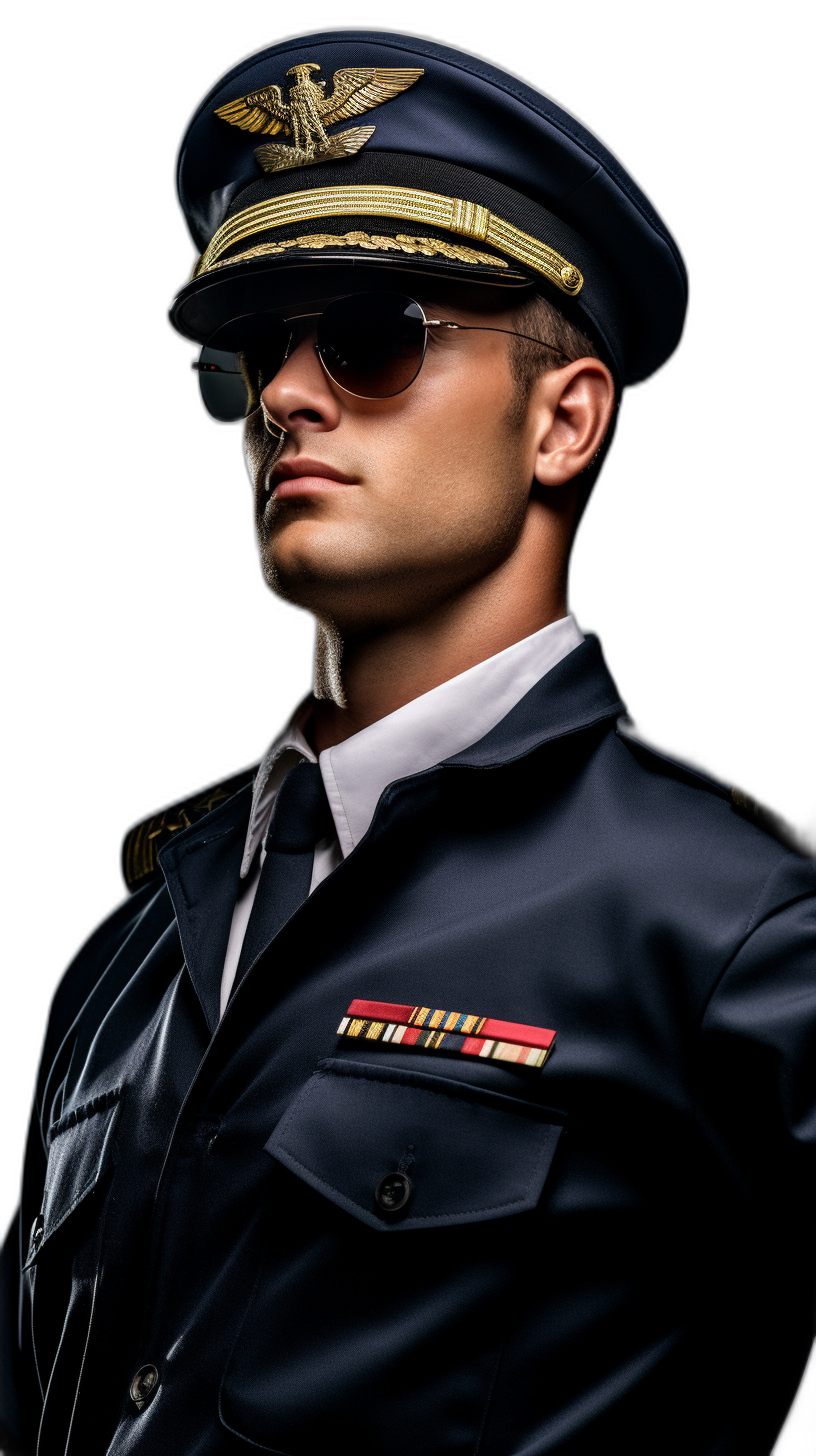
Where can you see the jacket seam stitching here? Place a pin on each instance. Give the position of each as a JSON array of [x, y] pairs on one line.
[[386, 1081], [102, 1103], [750, 929], [703, 782]]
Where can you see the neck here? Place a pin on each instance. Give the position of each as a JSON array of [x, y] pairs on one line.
[[385, 667]]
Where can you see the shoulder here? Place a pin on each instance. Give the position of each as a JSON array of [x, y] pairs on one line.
[[142, 843], [694, 802], [695, 861], [145, 913]]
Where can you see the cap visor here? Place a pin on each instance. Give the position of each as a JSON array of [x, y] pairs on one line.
[[290, 278]]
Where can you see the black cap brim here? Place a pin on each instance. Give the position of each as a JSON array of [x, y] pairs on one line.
[[292, 278]]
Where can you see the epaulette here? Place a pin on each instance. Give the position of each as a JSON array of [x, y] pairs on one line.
[[740, 802], [142, 843]]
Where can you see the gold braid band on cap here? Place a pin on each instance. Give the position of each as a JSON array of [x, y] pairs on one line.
[[402, 243], [454, 214]]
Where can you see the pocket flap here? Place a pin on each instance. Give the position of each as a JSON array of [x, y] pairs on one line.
[[470, 1154], [78, 1148]]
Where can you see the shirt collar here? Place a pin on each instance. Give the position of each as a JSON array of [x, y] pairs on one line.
[[424, 732], [290, 747], [435, 726]]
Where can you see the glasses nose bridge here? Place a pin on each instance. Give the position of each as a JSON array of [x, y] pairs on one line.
[[302, 328], [298, 329], [300, 393]]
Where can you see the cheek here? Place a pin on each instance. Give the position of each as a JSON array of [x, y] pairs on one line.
[[451, 456], [443, 481], [256, 451]]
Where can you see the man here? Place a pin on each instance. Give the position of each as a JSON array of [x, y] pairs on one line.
[[447, 1082]]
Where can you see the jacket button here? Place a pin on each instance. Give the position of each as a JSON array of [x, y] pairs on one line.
[[143, 1386], [393, 1191], [35, 1238]]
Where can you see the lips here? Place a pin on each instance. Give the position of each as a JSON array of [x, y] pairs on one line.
[[302, 476]]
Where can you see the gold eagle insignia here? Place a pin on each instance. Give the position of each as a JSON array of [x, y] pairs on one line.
[[309, 111]]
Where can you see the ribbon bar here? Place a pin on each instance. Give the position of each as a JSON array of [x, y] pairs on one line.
[[431, 1019], [490, 1048]]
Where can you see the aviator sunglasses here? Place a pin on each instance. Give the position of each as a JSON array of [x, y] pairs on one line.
[[371, 345]]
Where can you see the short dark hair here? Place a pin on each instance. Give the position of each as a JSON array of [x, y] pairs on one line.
[[540, 318]]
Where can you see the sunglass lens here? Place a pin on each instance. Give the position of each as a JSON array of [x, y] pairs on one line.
[[372, 344], [238, 361]]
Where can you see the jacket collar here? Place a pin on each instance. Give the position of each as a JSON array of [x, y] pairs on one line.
[[578, 693], [436, 725], [201, 865], [418, 736]]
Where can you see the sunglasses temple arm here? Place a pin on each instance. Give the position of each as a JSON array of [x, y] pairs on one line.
[[486, 329]]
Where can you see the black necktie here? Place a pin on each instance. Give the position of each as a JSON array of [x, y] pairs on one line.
[[300, 818]]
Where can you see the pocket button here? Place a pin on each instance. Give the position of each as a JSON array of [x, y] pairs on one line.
[[143, 1386], [393, 1191]]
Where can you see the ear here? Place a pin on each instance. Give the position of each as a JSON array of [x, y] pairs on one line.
[[570, 409]]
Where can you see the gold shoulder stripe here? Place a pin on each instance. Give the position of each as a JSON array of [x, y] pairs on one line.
[[142, 843]]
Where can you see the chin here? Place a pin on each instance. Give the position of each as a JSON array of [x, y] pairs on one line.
[[362, 580], [311, 579], [317, 566], [352, 595]]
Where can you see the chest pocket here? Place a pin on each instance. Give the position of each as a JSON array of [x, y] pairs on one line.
[[390, 1342], [461, 1154], [62, 1256], [78, 1149]]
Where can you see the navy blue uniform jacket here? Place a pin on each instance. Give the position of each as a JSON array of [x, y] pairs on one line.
[[613, 1253]]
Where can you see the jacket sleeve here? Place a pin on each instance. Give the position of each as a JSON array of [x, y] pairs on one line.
[[757, 1113], [761, 1022], [20, 1395], [12, 1376]]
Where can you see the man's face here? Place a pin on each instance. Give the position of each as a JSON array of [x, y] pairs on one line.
[[376, 511]]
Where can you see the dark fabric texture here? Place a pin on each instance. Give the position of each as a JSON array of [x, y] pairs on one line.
[[614, 1253]]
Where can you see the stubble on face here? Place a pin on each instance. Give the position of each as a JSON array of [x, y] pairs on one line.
[[262, 452], [441, 496]]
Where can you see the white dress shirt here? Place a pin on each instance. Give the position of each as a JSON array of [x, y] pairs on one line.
[[422, 733]]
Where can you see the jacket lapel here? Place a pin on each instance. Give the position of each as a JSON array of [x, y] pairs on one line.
[[202, 867]]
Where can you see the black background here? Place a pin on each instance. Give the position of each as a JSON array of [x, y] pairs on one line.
[[146, 658]]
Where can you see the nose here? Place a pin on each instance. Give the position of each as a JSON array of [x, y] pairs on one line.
[[300, 397]]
